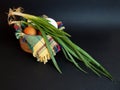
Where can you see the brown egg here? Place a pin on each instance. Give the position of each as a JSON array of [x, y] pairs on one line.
[[30, 30]]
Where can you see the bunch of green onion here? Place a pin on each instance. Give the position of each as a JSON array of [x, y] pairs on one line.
[[70, 49]]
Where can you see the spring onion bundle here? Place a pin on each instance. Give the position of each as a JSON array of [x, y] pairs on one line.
[[59, 37]]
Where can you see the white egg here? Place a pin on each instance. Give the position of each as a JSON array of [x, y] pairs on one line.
[[53, 22]]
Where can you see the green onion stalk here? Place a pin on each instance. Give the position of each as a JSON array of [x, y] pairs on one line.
[[70, 49]]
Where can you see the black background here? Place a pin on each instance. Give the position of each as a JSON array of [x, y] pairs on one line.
[[94, 26]]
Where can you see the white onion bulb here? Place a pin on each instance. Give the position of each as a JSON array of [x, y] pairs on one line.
[[52, 22]]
